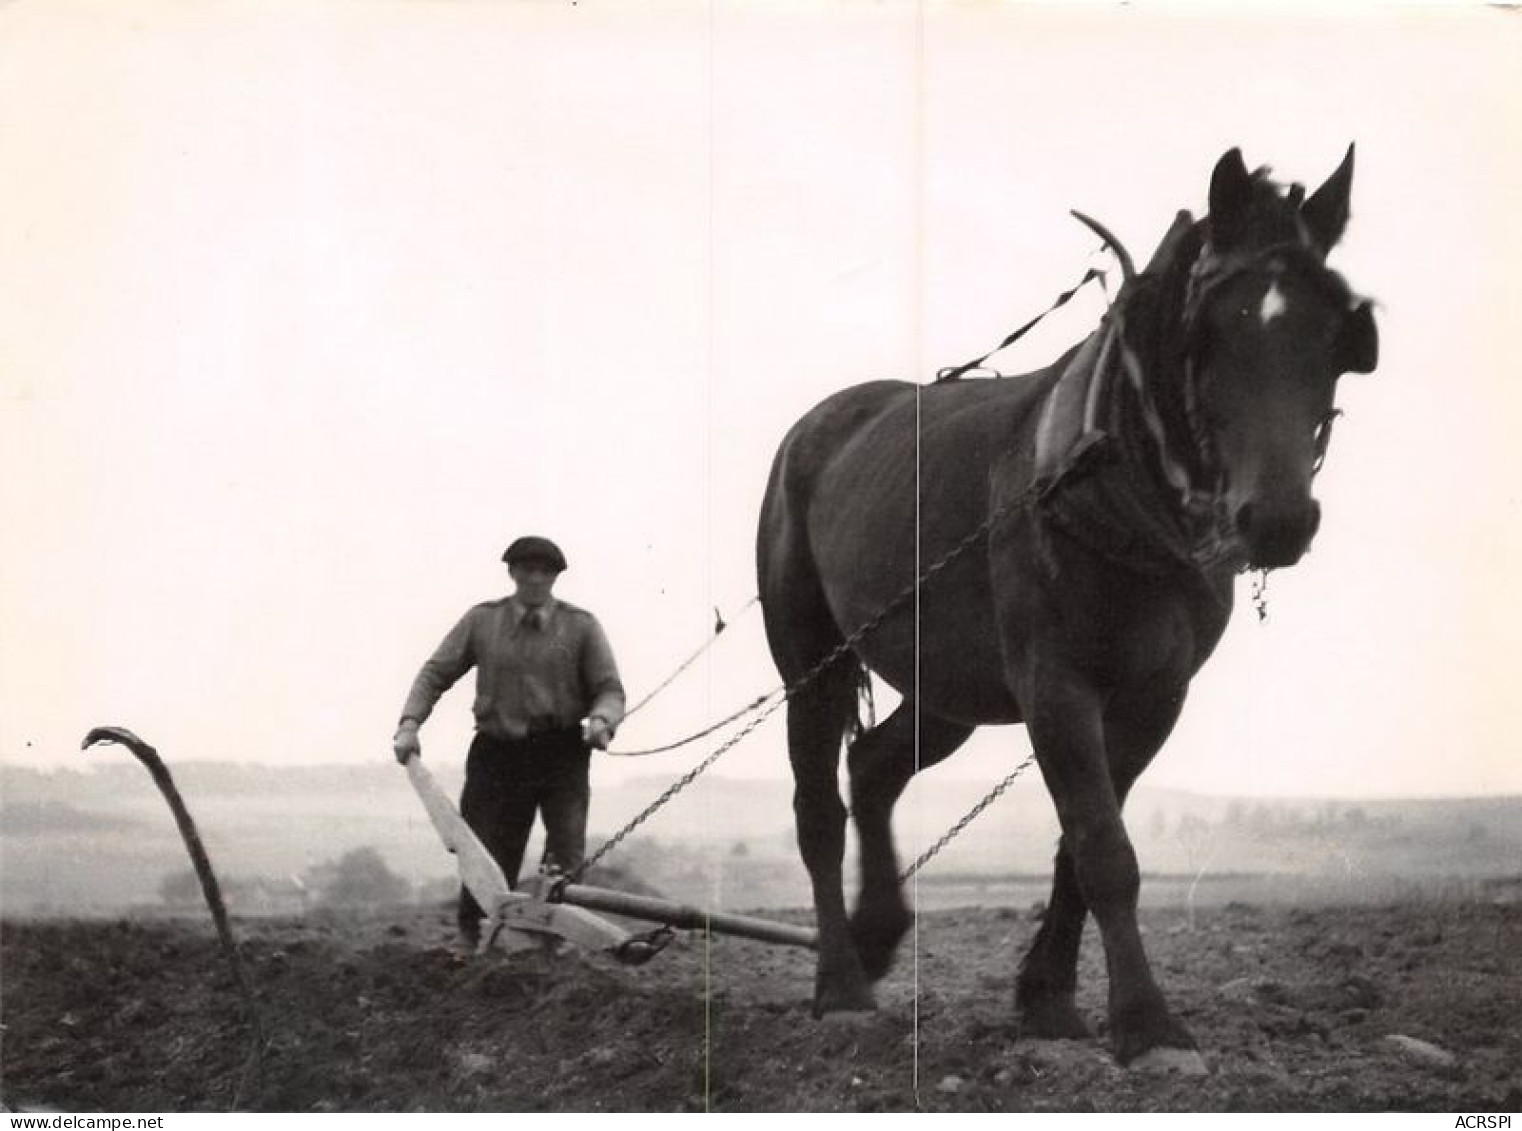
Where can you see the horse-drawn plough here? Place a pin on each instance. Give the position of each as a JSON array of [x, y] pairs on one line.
[[549, 909], [1058, 550]]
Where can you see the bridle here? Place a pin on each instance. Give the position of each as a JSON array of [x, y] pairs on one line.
[[1203, 505], [1189, 519]]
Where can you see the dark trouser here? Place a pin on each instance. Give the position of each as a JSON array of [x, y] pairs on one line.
[[508, 781]]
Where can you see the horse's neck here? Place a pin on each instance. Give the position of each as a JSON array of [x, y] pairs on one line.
[[1105, 465]]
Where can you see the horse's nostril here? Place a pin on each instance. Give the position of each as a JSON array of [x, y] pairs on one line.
[[1244, 518]]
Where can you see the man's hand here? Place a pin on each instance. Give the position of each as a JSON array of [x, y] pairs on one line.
[[596, 732], [406, 744]]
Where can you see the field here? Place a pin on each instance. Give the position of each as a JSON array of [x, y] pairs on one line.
[[1326, 955], [1296, 1009]]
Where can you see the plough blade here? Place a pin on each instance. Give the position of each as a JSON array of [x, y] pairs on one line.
[[525, 913]]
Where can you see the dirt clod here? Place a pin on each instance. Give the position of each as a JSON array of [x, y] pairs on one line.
[[1422, 1052]]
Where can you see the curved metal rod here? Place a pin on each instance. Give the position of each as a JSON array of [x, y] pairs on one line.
[[1127, 266], [149, 757]]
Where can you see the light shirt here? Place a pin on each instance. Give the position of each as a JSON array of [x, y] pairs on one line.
[[529, 676]]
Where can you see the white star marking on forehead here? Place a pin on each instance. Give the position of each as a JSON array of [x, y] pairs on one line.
[[1274, 304]]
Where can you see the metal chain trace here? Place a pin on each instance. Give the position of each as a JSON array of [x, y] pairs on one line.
[[967, 818], [676, 787], [1260, 595], [808, 677]]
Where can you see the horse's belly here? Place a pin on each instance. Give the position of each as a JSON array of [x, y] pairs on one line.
[[953, 663], [947, 695]]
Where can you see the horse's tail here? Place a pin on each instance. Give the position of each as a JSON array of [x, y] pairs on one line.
[[864, 718]]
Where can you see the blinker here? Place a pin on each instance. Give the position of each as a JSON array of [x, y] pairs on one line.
[[1358, 341]]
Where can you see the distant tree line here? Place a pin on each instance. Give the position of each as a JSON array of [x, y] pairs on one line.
[[358, 878], [1270, 819]]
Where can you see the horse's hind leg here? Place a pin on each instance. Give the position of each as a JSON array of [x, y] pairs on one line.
[[801, 631], [881, 762], [817, 717], [1048, 979]]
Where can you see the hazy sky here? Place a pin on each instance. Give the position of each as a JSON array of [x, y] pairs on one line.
[[308, 307]]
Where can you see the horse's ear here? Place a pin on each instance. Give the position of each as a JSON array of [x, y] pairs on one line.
[[1358, 341], [1326, 212], [1230, 196]]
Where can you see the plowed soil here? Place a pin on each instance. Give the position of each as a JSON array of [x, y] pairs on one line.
[[1404, 1008]]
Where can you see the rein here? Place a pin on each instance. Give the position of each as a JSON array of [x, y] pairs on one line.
[[977, 364], [1128, 272]]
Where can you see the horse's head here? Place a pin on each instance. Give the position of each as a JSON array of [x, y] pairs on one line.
[[1268, 329]]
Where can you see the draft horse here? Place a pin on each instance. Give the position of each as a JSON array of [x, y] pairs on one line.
[[1056, 549]]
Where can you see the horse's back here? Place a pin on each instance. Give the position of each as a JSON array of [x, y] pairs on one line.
[[905, 460], [875, 483], [869, 434], [833, 429]]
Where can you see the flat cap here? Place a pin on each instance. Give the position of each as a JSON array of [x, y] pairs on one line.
[[532, 548]]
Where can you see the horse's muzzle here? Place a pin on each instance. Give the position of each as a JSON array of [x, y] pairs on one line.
[[1277, 535]]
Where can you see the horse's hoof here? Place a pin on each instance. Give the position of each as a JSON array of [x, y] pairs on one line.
[[876, 939], [1186, 1062], [836, 1001], [837, 1007]]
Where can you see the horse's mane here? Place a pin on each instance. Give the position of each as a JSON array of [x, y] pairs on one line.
[[1151, 306], [1272, 213]]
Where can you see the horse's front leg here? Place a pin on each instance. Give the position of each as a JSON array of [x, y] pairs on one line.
[[1066, 723], [1135, 728]]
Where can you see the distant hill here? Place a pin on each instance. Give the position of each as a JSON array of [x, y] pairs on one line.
[[100, 839], [40, 818]]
